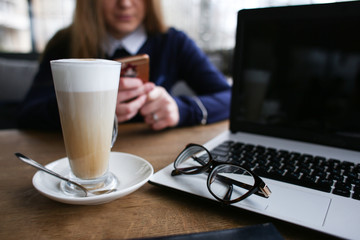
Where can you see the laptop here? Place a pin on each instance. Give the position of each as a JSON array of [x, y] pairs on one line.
[[296, 91]]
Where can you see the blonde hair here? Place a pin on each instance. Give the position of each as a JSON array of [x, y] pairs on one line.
[[88, 31], [154, 22]]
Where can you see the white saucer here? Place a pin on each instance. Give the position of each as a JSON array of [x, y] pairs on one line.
[[131, 171]]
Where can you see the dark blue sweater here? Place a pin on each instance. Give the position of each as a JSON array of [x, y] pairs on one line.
[[173, 57]]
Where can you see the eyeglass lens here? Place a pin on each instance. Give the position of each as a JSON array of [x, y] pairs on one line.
[[230, 182], [191, 159]]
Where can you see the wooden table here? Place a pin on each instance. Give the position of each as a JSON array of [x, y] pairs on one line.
[[148, 212]]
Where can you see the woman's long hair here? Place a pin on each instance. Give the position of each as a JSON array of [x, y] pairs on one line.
[[88, 30]]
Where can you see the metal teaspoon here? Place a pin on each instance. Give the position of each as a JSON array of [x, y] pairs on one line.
[[43, 168]]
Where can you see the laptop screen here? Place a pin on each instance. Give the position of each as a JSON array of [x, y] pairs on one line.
[[297, 73]]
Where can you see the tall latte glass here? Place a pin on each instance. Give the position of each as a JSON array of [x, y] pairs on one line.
[[86, 91]]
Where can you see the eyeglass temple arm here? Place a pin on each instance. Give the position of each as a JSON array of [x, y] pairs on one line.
[[189, 169], [264, 190], [229, 193]]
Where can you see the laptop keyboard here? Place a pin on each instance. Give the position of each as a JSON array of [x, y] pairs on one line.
[[316, 172]]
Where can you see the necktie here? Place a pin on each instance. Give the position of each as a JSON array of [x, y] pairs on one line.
[[119, 53]]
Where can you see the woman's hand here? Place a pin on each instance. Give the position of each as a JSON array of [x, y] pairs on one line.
[[160, 109], [132, 95]]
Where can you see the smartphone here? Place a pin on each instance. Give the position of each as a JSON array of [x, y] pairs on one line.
[[135, 66]]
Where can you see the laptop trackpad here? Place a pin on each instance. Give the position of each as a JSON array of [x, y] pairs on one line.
[[298, 205]]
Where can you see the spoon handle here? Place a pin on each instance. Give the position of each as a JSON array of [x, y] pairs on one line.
[[38, 165], [43, 168]]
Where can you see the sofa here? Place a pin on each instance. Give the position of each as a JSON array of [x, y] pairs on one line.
[[16, 76]]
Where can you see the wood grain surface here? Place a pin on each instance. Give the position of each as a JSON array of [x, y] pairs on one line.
[[148, 212]]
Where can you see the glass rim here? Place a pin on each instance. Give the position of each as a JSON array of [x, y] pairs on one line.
[[85, 61]]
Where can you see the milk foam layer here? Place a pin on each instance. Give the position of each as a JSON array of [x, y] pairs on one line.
[[85, 75]]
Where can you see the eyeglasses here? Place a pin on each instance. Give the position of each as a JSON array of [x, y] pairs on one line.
[[228, 183]]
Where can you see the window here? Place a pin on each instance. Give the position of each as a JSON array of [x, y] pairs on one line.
[[15, 34], [49, 17], [27, 25]]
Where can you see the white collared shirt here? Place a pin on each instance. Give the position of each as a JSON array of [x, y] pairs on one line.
[[131, 43]]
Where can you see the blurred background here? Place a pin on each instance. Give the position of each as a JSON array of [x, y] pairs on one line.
[[27, 25]]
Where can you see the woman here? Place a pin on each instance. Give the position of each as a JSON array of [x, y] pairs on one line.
[[103, 27]]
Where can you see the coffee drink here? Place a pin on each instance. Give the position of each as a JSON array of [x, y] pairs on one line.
[[87, 130], [86, 92]]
